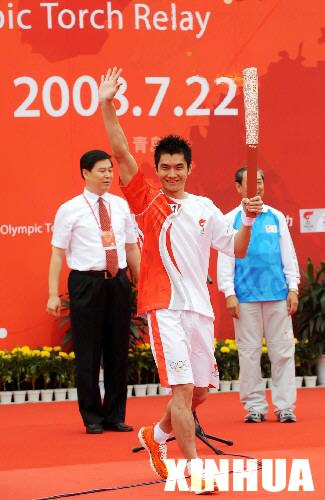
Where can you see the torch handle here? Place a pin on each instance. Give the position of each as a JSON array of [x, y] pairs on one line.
[[251, 170]]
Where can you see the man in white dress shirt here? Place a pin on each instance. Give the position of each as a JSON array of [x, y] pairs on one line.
[[96, 234], [261, 293]]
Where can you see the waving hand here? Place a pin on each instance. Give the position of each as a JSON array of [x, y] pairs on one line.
[[109, 84]]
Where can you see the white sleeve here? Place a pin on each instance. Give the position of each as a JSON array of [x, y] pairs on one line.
[[62, 228], [129, 228], [288, 255], [226, 274], [223, 234], [226, 263], [131, 233]]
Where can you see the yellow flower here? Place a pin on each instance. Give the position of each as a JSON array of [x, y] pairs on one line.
[[295, 341], [233, 346], [143, 347], [264, 348], [2, 353], [228, 341], [15, 349], [45, 354], [224, 349], [57, 348], [63, 355], [47, 348], [7, 356], [36, 352], [72, 355]]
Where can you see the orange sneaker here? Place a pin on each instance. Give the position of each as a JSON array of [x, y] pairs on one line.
[[157, 451]]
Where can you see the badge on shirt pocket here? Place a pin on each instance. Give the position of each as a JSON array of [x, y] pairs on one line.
[[271, 228]]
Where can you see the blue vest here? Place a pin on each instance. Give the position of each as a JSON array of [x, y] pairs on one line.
[[259, 276]]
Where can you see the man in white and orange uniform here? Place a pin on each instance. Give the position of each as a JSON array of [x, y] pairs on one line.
[[179, 230]]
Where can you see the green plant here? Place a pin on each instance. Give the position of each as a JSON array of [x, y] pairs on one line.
[[19, 362], [309, 355], [299, 354], [33, 370], [71, 370], [309, 321], [152, 370], [234, 360], [226, 354], [60, 369], [46, 366], [5, 369], [140, 362]]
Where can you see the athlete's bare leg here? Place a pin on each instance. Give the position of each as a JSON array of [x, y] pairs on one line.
[[179, 417]]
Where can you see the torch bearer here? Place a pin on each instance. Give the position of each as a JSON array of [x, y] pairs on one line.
[[250, 89]]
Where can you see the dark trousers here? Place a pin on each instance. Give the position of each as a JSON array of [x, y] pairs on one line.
[[100, 320]]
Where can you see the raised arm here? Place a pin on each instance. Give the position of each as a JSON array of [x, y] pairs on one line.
[[108, 88], [251, 207]]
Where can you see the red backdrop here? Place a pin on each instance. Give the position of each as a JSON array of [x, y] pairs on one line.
[[52, 60]]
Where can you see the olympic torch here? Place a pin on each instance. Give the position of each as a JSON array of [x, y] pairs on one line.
[[250, 90]]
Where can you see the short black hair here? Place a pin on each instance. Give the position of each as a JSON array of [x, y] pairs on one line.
[[89, 159], [240, 172], [173, 144]]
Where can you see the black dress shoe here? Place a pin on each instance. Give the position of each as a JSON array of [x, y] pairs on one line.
[[118, 427], [94, 429]]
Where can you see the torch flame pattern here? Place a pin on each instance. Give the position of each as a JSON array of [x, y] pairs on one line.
[[250, 88]]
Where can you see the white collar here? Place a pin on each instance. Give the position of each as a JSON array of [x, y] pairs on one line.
[[179, 200], [93, 197]]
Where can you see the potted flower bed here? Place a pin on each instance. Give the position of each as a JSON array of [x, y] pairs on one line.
[[309, 322]]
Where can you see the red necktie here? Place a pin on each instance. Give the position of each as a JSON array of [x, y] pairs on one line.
[[106, 226]]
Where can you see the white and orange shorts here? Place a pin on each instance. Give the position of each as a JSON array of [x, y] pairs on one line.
[[182, 344]]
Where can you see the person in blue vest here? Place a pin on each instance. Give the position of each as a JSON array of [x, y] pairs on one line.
[[261, 293]]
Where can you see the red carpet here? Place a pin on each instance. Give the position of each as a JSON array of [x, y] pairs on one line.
[[45, 451]]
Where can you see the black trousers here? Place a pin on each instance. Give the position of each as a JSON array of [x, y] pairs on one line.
[[100, 320]]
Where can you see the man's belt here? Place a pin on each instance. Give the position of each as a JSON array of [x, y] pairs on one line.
[[101, 274]]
